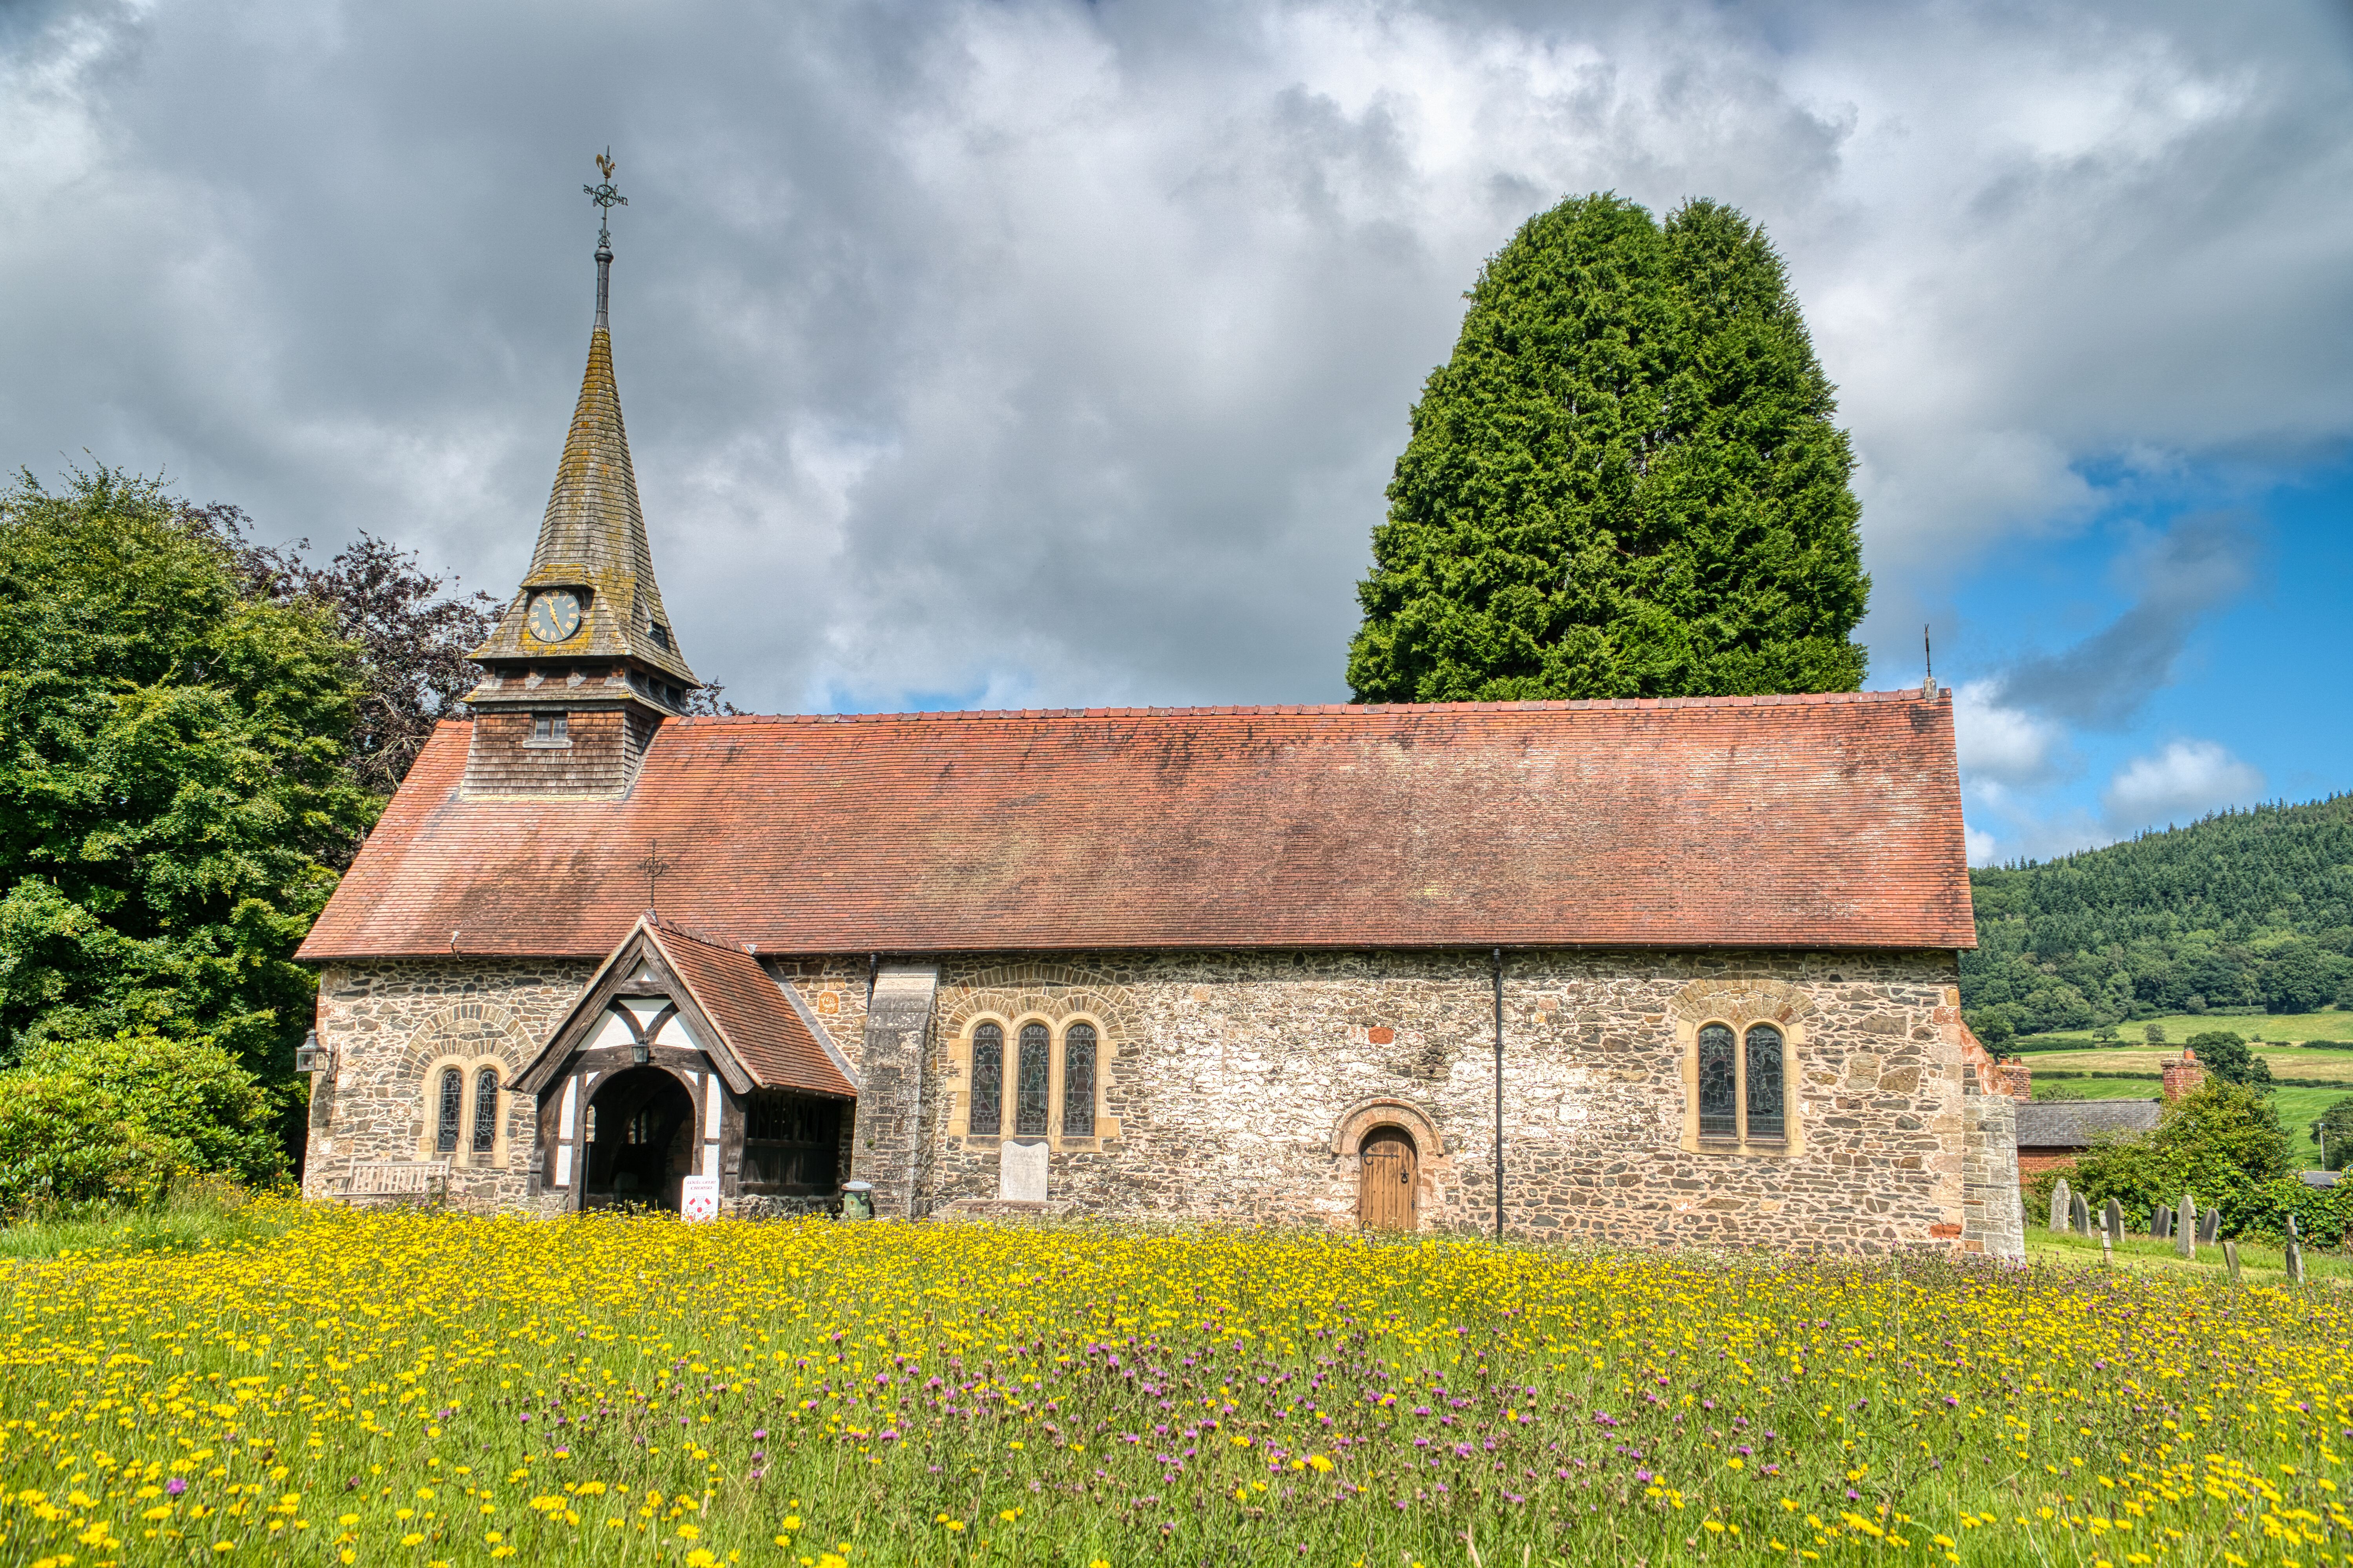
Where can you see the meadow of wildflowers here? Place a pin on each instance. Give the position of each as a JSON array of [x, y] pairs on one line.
[[423, 1389]]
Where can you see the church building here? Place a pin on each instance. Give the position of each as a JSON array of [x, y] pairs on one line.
[[1674, 972]]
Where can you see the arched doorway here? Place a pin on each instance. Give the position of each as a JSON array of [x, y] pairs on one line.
[[1389, 1166], [641, 1140]]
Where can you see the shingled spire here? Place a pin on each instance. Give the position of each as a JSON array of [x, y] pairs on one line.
[[586, 634]]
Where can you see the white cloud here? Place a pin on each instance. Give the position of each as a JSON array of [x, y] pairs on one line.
[[2183, 782], [2000, 742], [1064, 349]]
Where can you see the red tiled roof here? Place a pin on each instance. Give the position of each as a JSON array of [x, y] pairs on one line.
[[1817, 821], [748, 1007]]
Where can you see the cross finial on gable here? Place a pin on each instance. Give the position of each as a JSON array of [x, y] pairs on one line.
[[653, 866]]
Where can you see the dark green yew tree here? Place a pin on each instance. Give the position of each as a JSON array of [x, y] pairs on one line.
[[1625, 482]]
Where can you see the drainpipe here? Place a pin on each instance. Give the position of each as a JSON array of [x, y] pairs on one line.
[[1499, 1094]]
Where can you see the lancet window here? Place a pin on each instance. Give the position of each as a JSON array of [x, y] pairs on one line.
[[1740, 1081]]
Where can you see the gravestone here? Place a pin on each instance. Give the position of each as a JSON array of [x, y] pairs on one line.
[[2295, 1253], [2082, 1216], [2209, 1226], [2112, 1220], [2160, 1222], [2185, 1228], [2230, 1257], [1022, 1172], [2062, 1207]]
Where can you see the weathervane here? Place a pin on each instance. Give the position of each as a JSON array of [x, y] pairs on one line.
[[606, 196]]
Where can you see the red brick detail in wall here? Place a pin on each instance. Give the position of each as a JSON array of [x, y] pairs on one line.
[[1820, 821], [2031, 1164]]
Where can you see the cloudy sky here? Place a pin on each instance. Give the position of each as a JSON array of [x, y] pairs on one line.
[[1044, 355]]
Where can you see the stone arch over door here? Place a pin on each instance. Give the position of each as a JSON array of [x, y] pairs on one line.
[[472, 1038], [1371, 1131]]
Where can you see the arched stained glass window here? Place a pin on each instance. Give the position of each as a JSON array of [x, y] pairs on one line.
[[1079, 1081], [486, 1110], [1719, 1104], [453, 1105], [1764, 1055], [1030, 1088], [987, 1114]]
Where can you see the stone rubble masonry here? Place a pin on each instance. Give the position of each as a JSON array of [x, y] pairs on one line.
[[1233, 1087], [391, 1025]]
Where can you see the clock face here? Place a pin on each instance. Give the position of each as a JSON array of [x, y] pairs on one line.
[[554, 616]]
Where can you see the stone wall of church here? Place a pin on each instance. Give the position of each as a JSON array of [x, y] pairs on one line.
[[1236, 1086], [393, 1028]]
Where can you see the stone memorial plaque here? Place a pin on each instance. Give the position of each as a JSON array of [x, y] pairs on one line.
[[2062, 1207], [1022, 1172]]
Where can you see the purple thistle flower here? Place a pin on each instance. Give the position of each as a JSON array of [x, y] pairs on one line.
[[176, 1486]]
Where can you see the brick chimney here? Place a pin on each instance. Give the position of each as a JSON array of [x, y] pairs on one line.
[[2183, 1076], [2017, 1078]]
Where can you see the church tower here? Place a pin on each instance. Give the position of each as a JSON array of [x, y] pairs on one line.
[[584, 665]]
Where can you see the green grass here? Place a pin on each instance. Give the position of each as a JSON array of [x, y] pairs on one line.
[[204, 1214], [2179, 1027], [2258, 1263], [414, 1389]]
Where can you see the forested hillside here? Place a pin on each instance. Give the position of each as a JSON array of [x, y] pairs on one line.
[[2249, 909]]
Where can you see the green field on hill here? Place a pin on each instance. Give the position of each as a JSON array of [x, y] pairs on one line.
[[2328, 1024]]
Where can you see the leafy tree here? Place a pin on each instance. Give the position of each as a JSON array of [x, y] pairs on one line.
[[412, 641], [217, 1117], [174, 792], [2219, 1142], [2154, 1034], [2227, 1057], [2335, 1131], [1625, 482]]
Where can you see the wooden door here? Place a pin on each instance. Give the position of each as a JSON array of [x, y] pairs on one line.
[[1386, 1194]]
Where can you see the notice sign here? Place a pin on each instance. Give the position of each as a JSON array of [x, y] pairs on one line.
[[698, 1198]]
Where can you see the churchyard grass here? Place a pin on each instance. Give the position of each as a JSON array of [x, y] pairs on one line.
[[2258, 1263], [201, 1213], [419, 1388]]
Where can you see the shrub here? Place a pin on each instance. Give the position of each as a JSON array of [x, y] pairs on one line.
[[190, 1093], [2324, 1216], [2218, 1142], [2337, 1122], [64, 1143]]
